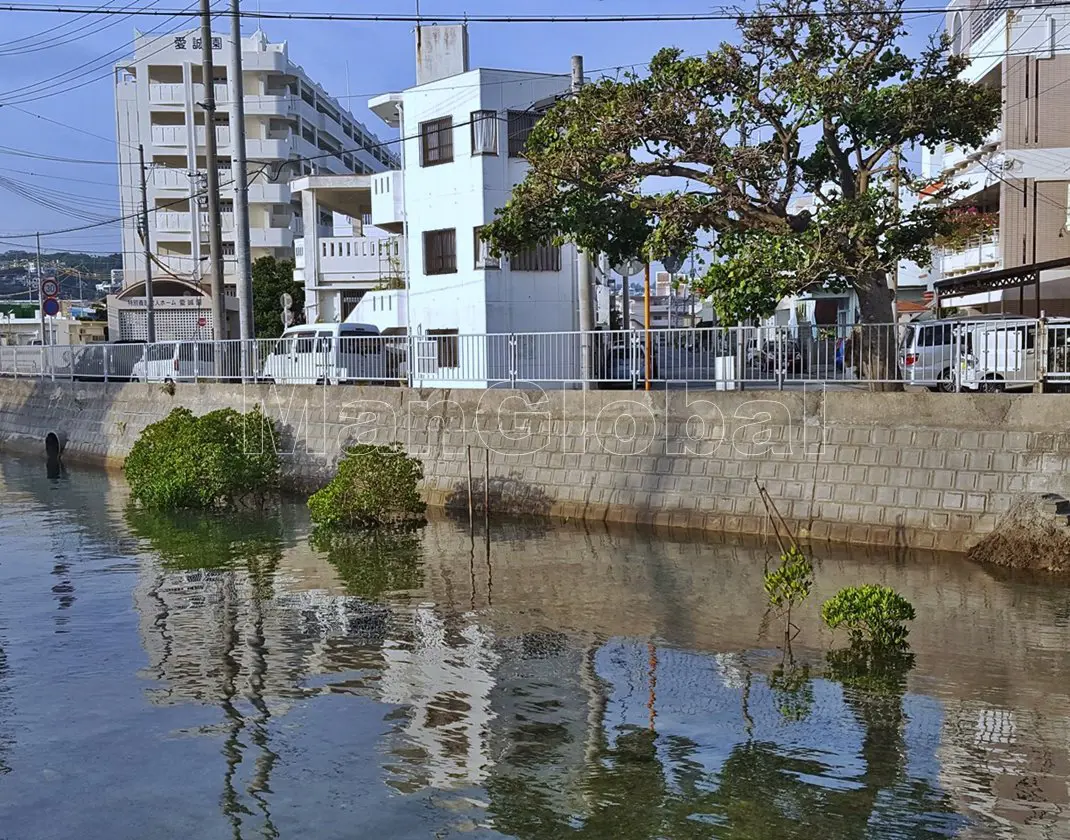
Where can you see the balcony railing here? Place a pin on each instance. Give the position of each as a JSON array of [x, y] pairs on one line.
[[980, 252], [177, 135], [374, 259], [957, 156], [177, 222], [168, 178]]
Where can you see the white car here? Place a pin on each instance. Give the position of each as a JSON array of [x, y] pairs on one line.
[[330, 353], [176, 361]]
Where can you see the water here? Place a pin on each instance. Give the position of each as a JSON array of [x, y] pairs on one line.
[[202, 678]]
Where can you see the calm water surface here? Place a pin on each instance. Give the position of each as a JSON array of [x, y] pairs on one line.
[[233, 678]]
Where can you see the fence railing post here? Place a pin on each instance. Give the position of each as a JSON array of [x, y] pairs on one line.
[[105, 354], [512, 361], [1040, 355]]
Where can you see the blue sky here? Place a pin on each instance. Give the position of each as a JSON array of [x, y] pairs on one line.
[[379, 55]]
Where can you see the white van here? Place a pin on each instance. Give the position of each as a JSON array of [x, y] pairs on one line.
[[332, 353], [176, 361], [1002, 355]]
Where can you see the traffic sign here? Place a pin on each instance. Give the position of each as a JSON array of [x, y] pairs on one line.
[[202, 322], [286, 300], [49, 287], [51, 306]]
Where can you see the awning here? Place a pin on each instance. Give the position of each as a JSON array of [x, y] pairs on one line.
[[997, 279]]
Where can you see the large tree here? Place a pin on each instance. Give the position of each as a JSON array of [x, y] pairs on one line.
[[816, 98], [271, 278]]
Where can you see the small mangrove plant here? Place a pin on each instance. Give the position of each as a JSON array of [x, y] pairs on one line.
[[874, 616], [220, 460], [375, 486]]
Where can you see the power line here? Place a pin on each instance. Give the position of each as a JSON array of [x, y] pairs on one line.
[[722, 14]]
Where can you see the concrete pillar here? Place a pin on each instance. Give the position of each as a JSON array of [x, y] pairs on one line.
[[310, 212]]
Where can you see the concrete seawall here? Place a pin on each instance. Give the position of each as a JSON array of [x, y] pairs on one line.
[[917, 469]]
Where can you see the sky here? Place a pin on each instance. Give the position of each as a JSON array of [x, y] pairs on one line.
[[80, 123]]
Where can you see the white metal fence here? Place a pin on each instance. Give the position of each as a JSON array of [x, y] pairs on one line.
[[966, 355]]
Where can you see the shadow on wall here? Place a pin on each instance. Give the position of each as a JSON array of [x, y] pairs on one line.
[[506, 496]]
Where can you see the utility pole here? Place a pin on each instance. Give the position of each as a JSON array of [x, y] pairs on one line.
[[41, 294], [215, 233], [241, 183], [649, 361], [150, 313], [583, 268]]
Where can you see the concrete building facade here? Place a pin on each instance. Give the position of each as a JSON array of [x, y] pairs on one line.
[[293, 129], [1019, 175]]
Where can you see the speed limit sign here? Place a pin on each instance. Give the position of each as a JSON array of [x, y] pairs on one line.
[[49, 287]]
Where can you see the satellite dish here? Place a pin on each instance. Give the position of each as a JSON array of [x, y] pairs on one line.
[[628, 268], [672, 263]]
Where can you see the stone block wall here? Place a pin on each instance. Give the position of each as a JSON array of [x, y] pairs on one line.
[[911, 469]]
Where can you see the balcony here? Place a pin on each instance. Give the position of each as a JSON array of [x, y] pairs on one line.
[[981, 252], [220, 89], [356, 259], [267, 105], [271, 238], [177, 135], [960, 157], [272, 149], [167, 94], [178, 179], [388, 201], [269, 193], [167, 221]]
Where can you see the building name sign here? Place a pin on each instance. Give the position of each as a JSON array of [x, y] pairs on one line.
[[180, 43], [168, 302]]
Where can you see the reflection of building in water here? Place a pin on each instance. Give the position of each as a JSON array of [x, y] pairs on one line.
[[1007, 769], [444, 675]]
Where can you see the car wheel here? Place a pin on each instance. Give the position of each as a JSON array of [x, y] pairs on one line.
[[167, 380], [946, 383], [992, 386]]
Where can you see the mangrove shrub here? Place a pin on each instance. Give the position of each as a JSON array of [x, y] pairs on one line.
[[374, 486], [874, 616], [218, 460]]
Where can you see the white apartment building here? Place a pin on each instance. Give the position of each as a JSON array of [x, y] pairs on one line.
[[464, 133], [1020, 175], [293, 129]]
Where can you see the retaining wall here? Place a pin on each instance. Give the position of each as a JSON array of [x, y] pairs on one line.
[[912, 469]]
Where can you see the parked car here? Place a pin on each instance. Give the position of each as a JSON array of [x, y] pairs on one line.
[[117, 359], [1001, 355], [314, 353], [176, 361], [931, 353], [622, 361]]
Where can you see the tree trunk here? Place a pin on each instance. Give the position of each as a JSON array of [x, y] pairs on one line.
[[876, 337]]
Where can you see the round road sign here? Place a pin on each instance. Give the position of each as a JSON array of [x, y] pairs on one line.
[[202, 322], [49, 287], [51, 307]]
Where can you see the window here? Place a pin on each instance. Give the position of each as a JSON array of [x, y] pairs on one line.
[[448, 343], [520, 125], [484, 259], [440, 251], [484, 133], [539, 258], [436, 142]]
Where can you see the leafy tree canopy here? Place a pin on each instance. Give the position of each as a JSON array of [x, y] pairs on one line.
[[817, 98], [271, 278]]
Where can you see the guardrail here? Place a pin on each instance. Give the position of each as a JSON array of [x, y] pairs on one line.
[[967, 355]]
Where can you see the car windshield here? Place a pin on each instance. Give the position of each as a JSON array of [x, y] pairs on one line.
[[161, 352]]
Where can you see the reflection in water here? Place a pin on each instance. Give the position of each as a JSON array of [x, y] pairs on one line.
[[613, 688]]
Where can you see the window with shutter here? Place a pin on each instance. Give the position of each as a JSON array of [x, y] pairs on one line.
[[545, 257], [520, 125], [436, 141], [440, 251]]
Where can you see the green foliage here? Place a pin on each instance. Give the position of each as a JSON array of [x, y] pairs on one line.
[[874, 616], [726, 142], [871, 669], [187, 540], [271, 278], [374, 486], [372, 562], [793, 691], [221, 459], [789, 584]]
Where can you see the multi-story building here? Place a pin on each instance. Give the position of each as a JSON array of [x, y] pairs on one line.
[[464, 133], [293, 128], [1019, 178]]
